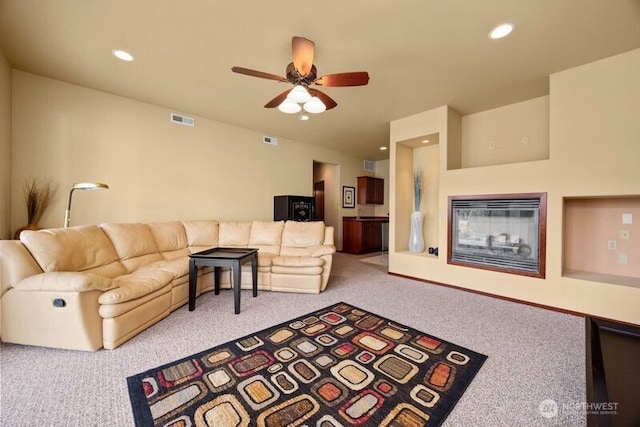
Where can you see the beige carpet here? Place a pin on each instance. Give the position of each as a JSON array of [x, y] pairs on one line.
[[534, 354], [380, 259]]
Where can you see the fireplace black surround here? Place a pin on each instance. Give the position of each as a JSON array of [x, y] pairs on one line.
[[500, 232]]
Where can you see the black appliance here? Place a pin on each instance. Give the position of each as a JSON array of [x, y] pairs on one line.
[[296, 208]]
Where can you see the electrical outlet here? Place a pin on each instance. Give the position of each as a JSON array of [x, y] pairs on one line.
[[623, 259], [612, 245], [624, 234]]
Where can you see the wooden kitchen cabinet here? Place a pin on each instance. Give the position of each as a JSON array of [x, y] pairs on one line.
[[362, 235], [370, 190]]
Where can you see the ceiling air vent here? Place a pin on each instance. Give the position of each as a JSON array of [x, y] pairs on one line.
[[369, 165], [182, 120], [270, 140]]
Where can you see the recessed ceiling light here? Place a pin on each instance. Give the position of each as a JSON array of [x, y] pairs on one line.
[[501, 31], [383, 148], [123, 55]]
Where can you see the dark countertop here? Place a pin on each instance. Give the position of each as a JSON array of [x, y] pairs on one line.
[[366, 218]]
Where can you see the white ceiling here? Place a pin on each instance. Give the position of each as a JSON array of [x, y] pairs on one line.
[[420, 54]]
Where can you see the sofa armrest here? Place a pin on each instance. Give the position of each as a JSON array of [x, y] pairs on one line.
[[318, 251], [65, 281]]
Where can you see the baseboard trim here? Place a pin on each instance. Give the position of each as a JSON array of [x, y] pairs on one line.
[[487, 294]]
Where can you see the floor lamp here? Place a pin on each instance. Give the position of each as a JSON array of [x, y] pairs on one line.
[[80, 186]]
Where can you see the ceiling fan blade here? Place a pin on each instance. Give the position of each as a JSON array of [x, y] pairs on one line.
[[254, 73], [302, 51], [328, 102], [356, 78], [277, 100]]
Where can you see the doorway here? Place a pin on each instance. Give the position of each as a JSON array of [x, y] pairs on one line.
[[326, 189], [318, 194]]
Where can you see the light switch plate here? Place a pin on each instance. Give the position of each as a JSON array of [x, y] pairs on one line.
[[627, 218], [623, 259]]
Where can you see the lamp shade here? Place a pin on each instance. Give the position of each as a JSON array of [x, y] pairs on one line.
[[314, 105], [289, 106], [299, 94], [90, 186]]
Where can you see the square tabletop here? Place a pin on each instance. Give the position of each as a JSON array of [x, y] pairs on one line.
[[223, 253]]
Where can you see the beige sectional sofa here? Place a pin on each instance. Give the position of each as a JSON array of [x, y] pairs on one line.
[[89, 287]]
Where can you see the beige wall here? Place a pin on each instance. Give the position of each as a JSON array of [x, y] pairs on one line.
[[156, 170], [514, 133], [382, 171], [593, 151], [5, 148]]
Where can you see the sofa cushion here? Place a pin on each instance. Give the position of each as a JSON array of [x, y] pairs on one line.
[[135, 285], [65, 281], [265, 259], [134, 244], [201, 233], [266, 233], [297, 261], [170, 238], [305, 271], [110, 311], [70, 249], [266, 236], [177, 267], [233, 234], [312, 251], [303, 234]]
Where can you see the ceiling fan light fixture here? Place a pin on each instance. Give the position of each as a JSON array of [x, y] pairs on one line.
[[290, 107], [299, 94], [301, 73], [314, 106]]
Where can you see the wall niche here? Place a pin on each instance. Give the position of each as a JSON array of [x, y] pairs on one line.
[[422, 152], [514, 133], [602, 239]]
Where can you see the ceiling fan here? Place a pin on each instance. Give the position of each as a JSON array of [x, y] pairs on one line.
[[302, 73]]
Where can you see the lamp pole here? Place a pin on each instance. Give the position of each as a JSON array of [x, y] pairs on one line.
[[80, 186]]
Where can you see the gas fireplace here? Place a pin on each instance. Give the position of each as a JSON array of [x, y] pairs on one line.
[[504, 233]]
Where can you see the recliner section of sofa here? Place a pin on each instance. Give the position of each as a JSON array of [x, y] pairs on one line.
[[89, 287]]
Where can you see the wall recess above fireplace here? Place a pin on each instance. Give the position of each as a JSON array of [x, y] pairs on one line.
[[499, 232]]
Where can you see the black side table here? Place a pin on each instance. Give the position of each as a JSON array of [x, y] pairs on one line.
[[218, 258]]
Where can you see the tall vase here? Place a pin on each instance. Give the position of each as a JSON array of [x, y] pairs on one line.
[[416, 241]]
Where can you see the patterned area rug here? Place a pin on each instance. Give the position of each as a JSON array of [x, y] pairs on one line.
[[339, 366]]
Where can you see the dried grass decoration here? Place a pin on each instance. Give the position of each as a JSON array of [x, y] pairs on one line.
[[417, 189], [37, 197]]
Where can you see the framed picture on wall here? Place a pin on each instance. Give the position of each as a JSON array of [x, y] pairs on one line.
[[348, 197]]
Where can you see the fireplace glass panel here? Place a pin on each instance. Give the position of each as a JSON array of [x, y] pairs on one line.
[[497, 233]]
